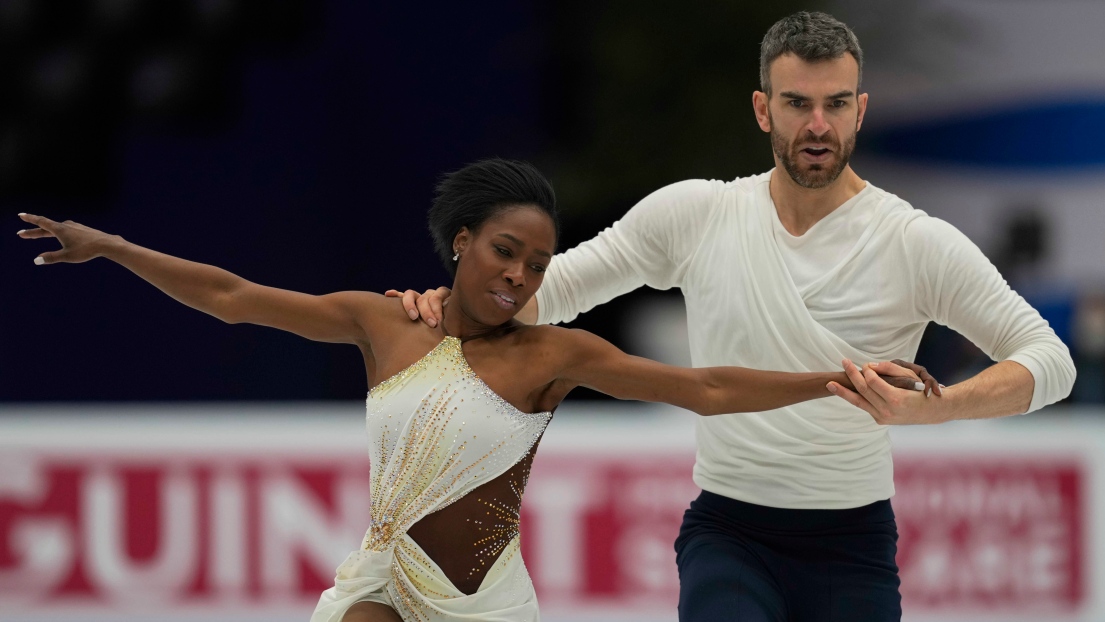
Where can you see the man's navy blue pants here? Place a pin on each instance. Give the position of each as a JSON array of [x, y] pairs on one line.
[[742, 562]]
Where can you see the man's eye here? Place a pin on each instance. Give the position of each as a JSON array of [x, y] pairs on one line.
[[796, 103], [840, 103]]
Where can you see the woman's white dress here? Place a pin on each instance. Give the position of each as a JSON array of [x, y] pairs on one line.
[[438, 433]]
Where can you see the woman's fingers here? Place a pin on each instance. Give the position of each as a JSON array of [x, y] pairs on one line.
[[49, 258], [931, 385], [898, 367], [40, 221], [31, 234], [78, 242], [903, 382], [45, 230]]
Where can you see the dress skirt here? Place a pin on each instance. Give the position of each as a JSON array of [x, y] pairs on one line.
[[404, 578]]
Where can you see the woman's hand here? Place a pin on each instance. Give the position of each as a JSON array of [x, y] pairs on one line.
[[898, 374], [78, 242], [894, 372]]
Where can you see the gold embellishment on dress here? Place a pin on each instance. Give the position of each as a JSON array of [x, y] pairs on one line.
[[438, 432], [502, 525], [408, 603], [412, 369]]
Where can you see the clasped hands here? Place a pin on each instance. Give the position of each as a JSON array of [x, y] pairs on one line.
[[893, 392], [885, 401]]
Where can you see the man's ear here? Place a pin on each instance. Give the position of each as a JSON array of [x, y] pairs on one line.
[[861, 104], [759, 106]]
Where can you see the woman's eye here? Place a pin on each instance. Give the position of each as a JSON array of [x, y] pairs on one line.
[[502, 251], [538, 268]]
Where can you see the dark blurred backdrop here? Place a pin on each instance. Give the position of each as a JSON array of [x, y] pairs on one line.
[[297, 144]]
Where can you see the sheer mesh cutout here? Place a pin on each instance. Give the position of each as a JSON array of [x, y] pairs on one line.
[[466, 538]]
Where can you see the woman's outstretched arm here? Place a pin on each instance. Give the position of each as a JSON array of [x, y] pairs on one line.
[[335, 317], [597, 364]]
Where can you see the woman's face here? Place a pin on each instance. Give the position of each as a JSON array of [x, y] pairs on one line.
[[502, 264]]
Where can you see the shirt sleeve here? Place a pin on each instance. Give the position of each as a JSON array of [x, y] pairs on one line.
[[959, 288], [651, 245]]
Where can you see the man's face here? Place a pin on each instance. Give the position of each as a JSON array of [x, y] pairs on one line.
[[813, 115]]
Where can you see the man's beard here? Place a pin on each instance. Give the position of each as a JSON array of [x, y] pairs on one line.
[[816, 176]]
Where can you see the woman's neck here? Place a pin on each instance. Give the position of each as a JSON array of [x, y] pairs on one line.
[[456, 323]]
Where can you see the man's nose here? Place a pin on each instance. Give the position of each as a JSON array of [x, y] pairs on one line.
[[818, 126]]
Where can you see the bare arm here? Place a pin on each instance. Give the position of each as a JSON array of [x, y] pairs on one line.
[[1002, 389], [333, 317], [998, 391], [597, 364]]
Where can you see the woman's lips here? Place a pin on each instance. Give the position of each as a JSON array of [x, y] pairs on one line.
[[504, 301]]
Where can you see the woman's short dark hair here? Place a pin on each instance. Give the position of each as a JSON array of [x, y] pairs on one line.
[[478, 192]]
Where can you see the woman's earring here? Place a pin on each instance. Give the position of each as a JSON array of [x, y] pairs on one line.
[[456, 256]]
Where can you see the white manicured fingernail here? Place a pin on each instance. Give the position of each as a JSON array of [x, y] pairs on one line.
[[918, 386], [20, 232], [39, 261], [22, 213]]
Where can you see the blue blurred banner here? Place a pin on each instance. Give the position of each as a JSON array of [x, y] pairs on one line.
[[1046, 136]]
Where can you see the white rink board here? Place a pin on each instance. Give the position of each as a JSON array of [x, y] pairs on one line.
[[241, 512]]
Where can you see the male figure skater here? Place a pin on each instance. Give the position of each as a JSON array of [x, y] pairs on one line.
[[796, 269]]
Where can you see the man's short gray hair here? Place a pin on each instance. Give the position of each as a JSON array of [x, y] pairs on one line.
[[811, 36]]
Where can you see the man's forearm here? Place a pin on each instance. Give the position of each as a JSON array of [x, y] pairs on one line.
[[999, 391]]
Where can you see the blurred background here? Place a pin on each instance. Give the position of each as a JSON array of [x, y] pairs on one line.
[[297, 144]]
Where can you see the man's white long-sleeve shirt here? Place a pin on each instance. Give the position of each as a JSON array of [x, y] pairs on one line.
[[862, 283]]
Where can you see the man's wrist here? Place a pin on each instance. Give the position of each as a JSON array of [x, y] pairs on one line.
[[947, 407]]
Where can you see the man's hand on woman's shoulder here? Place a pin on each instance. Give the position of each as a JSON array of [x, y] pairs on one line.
[[429, 305]]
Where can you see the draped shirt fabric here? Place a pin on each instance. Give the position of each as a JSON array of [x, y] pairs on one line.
[[438, 433], [862, 284]]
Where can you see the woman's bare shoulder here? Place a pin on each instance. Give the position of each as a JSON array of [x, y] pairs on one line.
[[379, 315], [564, 343]]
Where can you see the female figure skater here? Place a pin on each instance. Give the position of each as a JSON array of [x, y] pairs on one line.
[[455, 411]]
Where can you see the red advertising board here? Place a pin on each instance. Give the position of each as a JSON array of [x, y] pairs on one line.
[[991, 533], [114, 530]]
